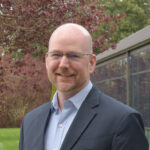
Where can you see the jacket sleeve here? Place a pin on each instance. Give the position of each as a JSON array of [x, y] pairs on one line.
[[21, 138], [130, 134]]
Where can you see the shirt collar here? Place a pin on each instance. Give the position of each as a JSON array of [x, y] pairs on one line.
[[55, 102], [77, 99]]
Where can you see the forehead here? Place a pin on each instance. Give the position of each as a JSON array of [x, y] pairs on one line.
[[70, 38]]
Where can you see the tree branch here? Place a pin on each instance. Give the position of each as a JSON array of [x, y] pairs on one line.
[[9, 16], [19, 27]]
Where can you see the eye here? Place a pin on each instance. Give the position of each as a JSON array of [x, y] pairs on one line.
[[56, 55], [73, 55]]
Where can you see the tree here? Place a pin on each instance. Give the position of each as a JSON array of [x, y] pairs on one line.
[[137, 15], [26, 25], [23, 86]]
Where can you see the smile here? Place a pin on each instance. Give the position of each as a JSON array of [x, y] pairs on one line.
[[64, 75]]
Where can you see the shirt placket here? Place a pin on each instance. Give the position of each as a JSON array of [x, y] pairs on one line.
[[60, 131]]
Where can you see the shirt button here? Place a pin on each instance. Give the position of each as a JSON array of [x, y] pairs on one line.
[[60, 125]]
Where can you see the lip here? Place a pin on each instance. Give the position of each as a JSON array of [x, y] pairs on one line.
[[64, 75]]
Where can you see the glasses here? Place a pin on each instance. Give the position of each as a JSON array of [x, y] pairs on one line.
[[70, 55]]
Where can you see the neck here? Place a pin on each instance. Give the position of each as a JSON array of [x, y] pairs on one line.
[[64, 95]]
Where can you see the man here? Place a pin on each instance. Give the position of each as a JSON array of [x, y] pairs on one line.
[[79, 117]]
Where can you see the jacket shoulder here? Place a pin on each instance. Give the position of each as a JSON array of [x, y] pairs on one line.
[[110, 104], [37, 112]]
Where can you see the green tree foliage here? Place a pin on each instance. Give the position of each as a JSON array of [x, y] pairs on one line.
[[137, 15]]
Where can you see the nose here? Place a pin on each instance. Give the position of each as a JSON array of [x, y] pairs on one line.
[[64, 62]]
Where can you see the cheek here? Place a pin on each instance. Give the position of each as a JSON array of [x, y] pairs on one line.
[[51, 66], [50, 72], [83, 69]]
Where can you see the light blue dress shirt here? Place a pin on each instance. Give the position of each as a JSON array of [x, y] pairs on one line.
[[60, 121]]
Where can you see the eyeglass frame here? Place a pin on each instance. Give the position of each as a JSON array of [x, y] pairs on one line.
[[69, 55]]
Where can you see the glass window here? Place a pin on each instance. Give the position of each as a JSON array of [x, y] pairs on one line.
[[140, 83], [140, 61], [103, 86], [140, 95], [118, 89], [110, 78], [116, 69]]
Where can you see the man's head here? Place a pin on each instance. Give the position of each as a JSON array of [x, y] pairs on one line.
[[70, 61]]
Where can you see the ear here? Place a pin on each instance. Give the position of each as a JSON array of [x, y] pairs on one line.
[[92, 63]]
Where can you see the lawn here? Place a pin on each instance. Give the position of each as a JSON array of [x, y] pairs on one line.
[[9, 138], [147, 132]]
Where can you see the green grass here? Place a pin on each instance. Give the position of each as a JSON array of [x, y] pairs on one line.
[[147, 133], [9, 138]]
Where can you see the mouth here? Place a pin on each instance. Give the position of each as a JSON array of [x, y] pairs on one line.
[[64, 75]]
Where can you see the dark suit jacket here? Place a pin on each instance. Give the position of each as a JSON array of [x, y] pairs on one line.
[[101, 123]]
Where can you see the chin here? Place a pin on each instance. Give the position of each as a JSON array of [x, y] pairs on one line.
[[66, 88]]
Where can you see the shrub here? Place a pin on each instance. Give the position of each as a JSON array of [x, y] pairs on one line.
[[23, 86]]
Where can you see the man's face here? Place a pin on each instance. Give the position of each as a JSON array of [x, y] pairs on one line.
[[68, 72]]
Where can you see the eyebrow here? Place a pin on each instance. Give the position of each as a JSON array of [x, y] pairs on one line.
[[72, 51]]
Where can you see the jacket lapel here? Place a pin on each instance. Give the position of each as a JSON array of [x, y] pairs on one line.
[[42, 123], [83, 118]]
